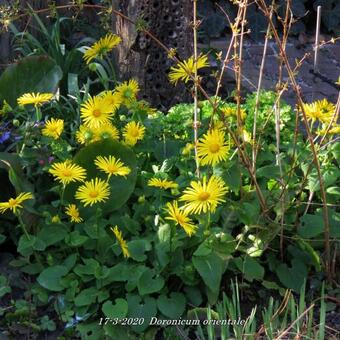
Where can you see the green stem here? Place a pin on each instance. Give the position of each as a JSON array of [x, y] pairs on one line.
[[208, 221], [61, 198], [23, 226], [37, 114]]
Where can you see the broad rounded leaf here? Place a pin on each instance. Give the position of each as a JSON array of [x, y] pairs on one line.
[[172, 307], [50, 278], [149, 283], [118, 310], [30, 74]]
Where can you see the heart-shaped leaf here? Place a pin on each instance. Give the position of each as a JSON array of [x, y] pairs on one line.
[[141, 310], [118, 310], [149, 282], [50, 277], [172, 307]]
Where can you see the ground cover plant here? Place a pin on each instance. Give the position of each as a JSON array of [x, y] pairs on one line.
[[117, 215]]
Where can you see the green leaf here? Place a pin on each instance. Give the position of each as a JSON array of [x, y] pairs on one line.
[[4, 288], [268, 171], [25, 246], [50, 277], [118, 310], [210, 268], [232, 177], [121, 188], [203, 249], [292, 277], [51, 235], [250, 268], [75, 239], [30, 74], [139, 309], [86, 297], [312, 225], [137, 249], [149, 282], [172, 307]]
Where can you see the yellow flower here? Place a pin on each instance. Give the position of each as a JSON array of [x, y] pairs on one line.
[[133, 132], [34, 98], [122, 243], [232, 112], [66, 172], [204, 196], [105, 131], [93, 191], [212, 147], [326, 108], [15, 203], [53, 128], [184, 70], [332, 131], [128, 91], [162, 183], [321, 110], [84, 134], [101, 47], [112, 166], [112, 98], [73, 212], [180, 216], [96, 111]]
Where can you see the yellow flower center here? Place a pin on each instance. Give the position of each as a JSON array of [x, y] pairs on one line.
[[180, 219], [134, 133], [112, 168], [12, 202], [93, 194], [214, 148], [67, 173], [203, 196], [96, 113]]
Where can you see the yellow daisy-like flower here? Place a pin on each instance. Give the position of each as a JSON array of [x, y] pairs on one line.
[[112, 166], [15, 203], [112, 98], [204, 196], [93, 191], [35, 99], [321, 110], [101, 47], [128, 91], [96, 111], [122, 243], [326, 107], [180, 216], [73, 212], [53, 128], [162, 183], [212, 147], [66, 172], [184, 70], [133, 132], [105, 131]]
